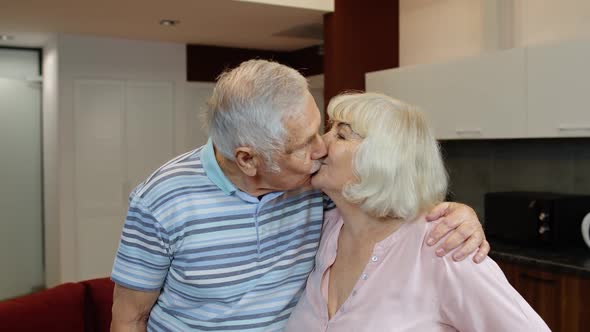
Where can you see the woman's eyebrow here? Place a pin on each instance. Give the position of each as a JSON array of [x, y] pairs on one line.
[[344, 125]]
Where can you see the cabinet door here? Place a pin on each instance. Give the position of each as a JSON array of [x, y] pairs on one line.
[[575, 311], [542, 290], [562, 300], [475, 97], [558, 83]]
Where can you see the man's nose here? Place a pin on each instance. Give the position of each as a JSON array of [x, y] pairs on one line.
[[320, 150]]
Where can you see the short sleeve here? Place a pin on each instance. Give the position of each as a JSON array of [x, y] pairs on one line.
[[478, 297], [143, 258]]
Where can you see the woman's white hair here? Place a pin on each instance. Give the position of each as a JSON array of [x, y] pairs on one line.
[[398, 165], [249, 105]]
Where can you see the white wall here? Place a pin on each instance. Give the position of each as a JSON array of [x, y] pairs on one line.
[[50, 113], [69, 58], [434, 31], [542, 21], [16, 64]]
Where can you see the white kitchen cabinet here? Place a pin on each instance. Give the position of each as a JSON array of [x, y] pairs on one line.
[[123, 131], [558, 88], [475, 97]]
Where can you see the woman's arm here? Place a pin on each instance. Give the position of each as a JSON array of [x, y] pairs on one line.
[[478, 297]]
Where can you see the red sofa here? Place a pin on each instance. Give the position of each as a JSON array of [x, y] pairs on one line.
[[76, 307]]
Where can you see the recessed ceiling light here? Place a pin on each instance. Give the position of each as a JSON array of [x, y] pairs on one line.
[[169, 23], [6, 37]]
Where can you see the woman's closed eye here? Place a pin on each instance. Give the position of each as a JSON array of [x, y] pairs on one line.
[[343, 131]]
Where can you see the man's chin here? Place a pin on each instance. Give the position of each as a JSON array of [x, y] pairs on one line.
[[313, 182]]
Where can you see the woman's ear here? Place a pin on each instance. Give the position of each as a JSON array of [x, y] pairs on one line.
[[247, 160]]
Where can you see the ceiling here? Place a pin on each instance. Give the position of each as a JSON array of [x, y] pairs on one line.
[[211, 22]]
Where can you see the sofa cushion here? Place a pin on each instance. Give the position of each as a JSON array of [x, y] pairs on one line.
[[99, 301], [56, 309]]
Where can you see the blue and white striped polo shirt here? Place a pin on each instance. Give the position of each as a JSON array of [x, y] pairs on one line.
[[224, 260]]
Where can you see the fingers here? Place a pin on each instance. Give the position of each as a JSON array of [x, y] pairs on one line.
[[470, 246], [483, 252], [439, 211], [443, 227], [466, 236]]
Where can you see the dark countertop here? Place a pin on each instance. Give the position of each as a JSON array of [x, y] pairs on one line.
[[573, 260]]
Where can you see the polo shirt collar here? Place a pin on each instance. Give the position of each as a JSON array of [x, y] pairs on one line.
[[213, 171]]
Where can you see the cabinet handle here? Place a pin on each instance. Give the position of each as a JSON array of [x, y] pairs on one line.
[[536, 278], [476, 131], [573, 128]]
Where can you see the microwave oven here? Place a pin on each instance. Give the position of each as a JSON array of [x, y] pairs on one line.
[[536, 218]]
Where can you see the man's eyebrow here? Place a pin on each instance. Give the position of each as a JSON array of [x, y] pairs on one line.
[[298, 146]]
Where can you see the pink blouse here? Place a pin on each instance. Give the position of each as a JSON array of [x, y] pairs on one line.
[[406, 287]]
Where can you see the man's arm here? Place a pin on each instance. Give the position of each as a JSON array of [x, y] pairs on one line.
[[141, 264], [131, 309], [465, 231]]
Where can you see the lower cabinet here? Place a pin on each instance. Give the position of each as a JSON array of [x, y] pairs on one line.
[[562, 300]]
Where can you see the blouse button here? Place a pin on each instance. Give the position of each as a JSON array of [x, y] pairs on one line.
[[374, 258], [364, 276]]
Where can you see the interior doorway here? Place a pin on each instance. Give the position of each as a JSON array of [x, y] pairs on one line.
[[21, 190]]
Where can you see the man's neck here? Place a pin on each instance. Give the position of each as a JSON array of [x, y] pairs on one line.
[[242, 181]]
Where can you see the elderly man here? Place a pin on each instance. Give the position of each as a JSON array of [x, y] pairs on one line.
[[224, 237]]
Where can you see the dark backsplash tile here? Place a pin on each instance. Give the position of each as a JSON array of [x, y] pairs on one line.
[[479, 166]]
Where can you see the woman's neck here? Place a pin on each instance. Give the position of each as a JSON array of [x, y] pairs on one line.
[[360, 225]]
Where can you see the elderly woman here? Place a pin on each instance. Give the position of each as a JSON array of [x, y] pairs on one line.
[[374, 271]]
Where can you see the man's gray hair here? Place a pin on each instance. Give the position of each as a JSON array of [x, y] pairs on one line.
[[250, 103]]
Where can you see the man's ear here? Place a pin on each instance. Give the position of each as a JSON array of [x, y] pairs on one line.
[[247, 160]]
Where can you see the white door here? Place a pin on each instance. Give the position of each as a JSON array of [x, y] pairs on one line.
[[100, 197], [124, 131], [149, 116], [21, 238]]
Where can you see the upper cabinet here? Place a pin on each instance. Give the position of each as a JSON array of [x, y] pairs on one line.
[[558, 77], [538, 91], [475, 97]]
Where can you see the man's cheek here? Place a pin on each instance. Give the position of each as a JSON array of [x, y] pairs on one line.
[[300, 155]]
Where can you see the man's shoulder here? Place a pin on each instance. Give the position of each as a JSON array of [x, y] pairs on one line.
[[328, 202], [183, 171]]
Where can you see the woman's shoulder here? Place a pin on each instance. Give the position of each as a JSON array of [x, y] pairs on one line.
[[464, 271]]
